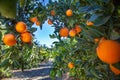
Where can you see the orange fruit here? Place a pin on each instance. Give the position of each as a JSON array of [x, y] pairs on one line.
[[38, 23], [50, 22], [33, 19], [52, 12], [71, 65], [96, 40], [72, 33], [108, 51], [114, 70], [26, 37], [21, 27], [89, 23], [69, 12], [9, 39], [64, 32], [78, 29]]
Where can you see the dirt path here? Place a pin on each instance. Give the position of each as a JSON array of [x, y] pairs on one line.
[[41, 73]]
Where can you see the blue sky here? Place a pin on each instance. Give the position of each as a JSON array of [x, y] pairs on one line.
[[43, 35]]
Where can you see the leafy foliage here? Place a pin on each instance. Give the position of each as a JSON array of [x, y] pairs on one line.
[[81, 49], [22, 55]]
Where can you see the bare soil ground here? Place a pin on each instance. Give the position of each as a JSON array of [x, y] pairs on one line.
[[40, 73]]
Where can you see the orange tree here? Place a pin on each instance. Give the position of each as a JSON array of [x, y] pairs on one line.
[[96, 19], [79, 26], [17, 48]]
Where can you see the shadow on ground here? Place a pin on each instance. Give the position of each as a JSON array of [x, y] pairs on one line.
[[40, 73], [33, 73]]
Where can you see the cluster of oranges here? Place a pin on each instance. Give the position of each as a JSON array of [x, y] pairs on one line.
[[26, 37], [69, 13], [52, 13], [108, 51], [35, 20], [64, 32]]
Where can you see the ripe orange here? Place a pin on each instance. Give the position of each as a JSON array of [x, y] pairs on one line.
[[72, 33], [64, 32], [114, 70], [108, 51], [38, 23], [21, 27], [26, 37], [89, 23], [52, 12], [33, 19], [69, 12], [78, 29], [96, 40], [71, 65], [9, 39], [50, 22]]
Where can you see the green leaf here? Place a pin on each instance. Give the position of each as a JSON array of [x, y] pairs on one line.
[[5, 62], [95, 74], [84, 9], [53, 74], [0, 36], [96, 32], [33, 29], [55, 42], [94, 17], [58, 59], [16, 63], [100, 20], [52, 36], [90, 9], [59, 73]]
